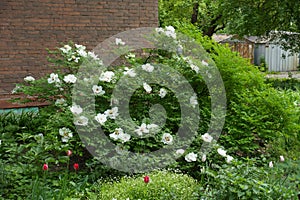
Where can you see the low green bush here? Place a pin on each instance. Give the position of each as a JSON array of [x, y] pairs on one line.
[[162, 185], [244, 180]]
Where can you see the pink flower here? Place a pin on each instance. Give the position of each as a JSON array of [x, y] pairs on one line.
[[76, 166], [146, 179], [69, 153], [45, 167]]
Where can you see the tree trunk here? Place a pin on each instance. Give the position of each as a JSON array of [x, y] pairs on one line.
[[195, 13], [213, 28]]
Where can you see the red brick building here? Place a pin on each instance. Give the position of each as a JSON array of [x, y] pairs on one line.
[[29, 27]]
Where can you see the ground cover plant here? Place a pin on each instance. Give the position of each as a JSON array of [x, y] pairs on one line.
[[43, 157]]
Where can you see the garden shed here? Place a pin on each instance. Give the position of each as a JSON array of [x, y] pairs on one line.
[[243, 46], [28, 28], [276, 58], [259, 49]]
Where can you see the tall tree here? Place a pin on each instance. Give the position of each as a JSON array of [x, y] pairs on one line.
[[204, 14], [277, 19]]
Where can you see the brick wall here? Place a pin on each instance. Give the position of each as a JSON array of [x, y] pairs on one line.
[[28, 27]]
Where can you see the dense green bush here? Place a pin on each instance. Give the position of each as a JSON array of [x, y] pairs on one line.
[[247, 181], [259, 118], [162, 185], [25, 148], [284, 83], [263, 120]]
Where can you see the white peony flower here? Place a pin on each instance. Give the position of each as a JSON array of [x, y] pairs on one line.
[[170, 32], [162, 93], [112, 113], [195, 68], [124, 137], [29, 79], [193, 101], [191, 157], [81, 121], [119, 42], [204, 63], [60, 102], [76, 59], [207, 137], [16, 89], [72, 58], [119, 134], [142, 129], [53, 78], [159, 30], [148, 67], [76, 109], [203, 159], [147, 87], [167, 138], [65, 133], [116, 133], [98, 90], [229, 158], [101, 118], [179, 151], [70, 78], [107, 76], [130, 72], [93, 55], [65, 49], [221, 152], [170, 28], [271, 164], [82, 52], [281, 158], [130, 55], [80, 47]]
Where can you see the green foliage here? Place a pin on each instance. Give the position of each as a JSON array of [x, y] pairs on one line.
[[162, 185], [237, 73], [207, 15], [281, 16], [249, 17], [247, 181], [267, 119], [260, 119], [285, 83]]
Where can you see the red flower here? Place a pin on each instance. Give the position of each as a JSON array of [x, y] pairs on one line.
[[146, 179], [76, 166], [69, 153], [45, 167]]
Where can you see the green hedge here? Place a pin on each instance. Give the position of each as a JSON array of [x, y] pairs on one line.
[[284, 83]]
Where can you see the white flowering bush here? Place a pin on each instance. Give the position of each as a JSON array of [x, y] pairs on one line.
[[146, 134], [64, 115]]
